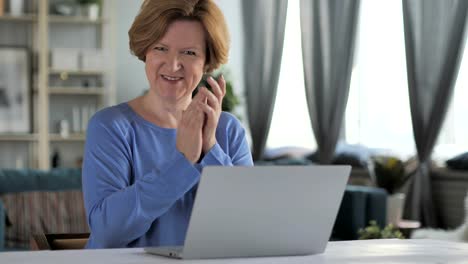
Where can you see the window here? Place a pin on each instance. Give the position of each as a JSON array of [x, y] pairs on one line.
[[290, 124], [378, 113], [453, 138]]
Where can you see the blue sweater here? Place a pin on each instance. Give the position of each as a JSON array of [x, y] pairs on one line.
[[138, 189]]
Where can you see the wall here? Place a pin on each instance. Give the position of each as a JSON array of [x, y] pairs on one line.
[[130, 74]]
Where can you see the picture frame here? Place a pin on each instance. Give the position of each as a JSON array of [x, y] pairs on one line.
[[15, 89]]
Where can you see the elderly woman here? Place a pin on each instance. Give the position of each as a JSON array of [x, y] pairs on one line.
[[143, 158]]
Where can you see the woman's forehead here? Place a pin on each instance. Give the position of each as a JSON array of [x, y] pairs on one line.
[[185, 33]]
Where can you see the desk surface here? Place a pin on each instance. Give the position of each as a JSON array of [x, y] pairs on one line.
[[369, 251]]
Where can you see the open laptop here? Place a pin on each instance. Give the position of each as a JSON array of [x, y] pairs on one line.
[[262, 211]]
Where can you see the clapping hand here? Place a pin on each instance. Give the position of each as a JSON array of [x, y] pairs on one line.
[[189, 132], [197, 129], [212, 109]]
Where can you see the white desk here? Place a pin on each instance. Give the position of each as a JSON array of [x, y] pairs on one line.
[[369, 251]]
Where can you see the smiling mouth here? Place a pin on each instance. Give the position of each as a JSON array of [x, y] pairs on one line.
[[171, 78]]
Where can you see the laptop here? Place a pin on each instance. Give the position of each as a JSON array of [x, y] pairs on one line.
[[262, 211]]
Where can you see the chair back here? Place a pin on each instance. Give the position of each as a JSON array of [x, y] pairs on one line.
[[59, 241]]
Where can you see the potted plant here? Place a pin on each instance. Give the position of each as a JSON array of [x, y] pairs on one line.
[[90, 8], [390, 174], [230, 100], [373, 231]]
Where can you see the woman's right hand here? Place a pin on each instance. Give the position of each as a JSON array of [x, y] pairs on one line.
[[189, 131]]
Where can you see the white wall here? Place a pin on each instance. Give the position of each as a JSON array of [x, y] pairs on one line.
[[130, 73], [232, 12]]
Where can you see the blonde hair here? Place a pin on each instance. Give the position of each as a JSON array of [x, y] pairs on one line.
[[155, 16]]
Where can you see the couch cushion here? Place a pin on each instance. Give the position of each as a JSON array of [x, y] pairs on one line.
[[42, 212], [459, 162], [34, 180], [360, 205]]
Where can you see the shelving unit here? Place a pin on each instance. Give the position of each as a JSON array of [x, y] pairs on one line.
[[70, 138], [77, 90], [18, 137], [76, 19], [76, 73], [53, 100], [23, 18]]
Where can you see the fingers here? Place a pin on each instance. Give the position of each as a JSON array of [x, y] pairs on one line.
[[218, 87], [211, 99], [193, 116], [222, 84], [199, 96], [208, 110]]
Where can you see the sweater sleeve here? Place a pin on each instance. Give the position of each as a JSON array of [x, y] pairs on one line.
[[236, 150], [118, 209]]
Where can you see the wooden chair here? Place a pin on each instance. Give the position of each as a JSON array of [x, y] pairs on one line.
[[59, 241]]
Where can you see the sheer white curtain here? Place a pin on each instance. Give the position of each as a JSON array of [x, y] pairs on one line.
[[378, 111], [453, 138], [290, 125]]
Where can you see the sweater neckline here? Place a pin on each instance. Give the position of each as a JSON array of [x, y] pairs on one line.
[[140, 119]]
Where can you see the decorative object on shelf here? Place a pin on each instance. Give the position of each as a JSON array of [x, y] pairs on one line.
[[64, 9], [15, 85], [64, 128], [93, 60], [65, 59], [16, 7], [55, 159], [19, 162], [90, 8], [390, 174], [76, 119], [84, 118], [395, 204], [373, 231]]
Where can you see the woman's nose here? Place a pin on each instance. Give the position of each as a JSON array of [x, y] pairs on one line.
[[173, 62]]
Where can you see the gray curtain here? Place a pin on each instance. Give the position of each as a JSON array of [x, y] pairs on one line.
[[434, 39], [328, 37], [264, 25]]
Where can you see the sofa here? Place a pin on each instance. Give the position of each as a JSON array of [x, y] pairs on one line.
[[359, 206], [35, 202], [449, 189]]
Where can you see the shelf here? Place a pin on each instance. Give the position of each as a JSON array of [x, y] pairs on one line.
[[71, 138], [22, 18], [54, 19], [75, 20], [57, 93], [18, 137], [75, 73], [77, 90]]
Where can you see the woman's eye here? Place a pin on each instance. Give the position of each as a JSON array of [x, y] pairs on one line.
[[189, 52], [160, 48]]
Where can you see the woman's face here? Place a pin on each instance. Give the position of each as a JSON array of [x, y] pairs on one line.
[[175, 63]]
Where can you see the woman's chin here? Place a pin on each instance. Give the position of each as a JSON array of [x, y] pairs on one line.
[[173, 98]]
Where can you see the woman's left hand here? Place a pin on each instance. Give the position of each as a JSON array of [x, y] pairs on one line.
[[212, 110]]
